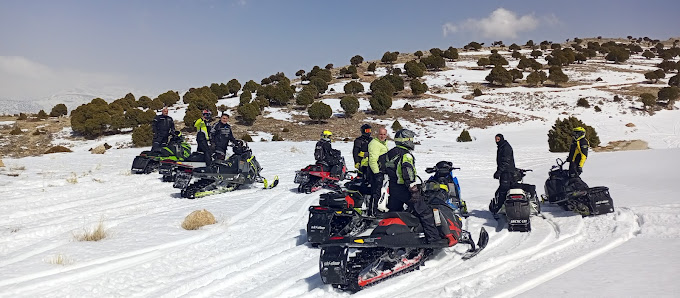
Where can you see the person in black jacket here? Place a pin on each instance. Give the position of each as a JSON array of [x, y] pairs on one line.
[[360, 150], [221, 135], [163, 127], [505, 172], [325, 155]]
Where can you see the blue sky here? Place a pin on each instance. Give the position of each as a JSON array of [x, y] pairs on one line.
[[153, 46]]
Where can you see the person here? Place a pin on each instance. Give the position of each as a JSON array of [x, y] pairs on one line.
[[399, 164], [221, 135], [578, 152], [505, 173], [360, 150], [327, 156], [376, 148], [163, 127], [203, 137]]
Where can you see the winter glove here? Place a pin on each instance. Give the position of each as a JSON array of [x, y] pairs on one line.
[[579, 170], [357, 165], [497, 175]]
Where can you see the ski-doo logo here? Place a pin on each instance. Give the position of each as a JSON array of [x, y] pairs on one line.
[[318, 227], [331, 263], [513, 221], [602, 202]]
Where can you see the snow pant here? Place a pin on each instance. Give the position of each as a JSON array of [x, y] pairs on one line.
[[376, 189], [220, 153], [505, 183], [400, 195], [205, 148], [159, 142], [574, 170]]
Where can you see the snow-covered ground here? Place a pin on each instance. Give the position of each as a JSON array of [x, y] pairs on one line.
[[257, 248]]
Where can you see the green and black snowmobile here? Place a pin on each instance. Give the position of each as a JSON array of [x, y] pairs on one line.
[[149, 161], [241, 168]]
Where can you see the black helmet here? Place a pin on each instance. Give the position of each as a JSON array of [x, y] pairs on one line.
[[366, 130], [443, 168], [404, 138]]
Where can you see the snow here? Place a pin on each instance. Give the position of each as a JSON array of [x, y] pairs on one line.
[[257, 248]]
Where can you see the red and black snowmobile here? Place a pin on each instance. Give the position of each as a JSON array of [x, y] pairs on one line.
[[317, 176], [397, 245], [340, 213]]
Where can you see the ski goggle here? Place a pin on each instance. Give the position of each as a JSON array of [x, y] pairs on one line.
[[368, 130]]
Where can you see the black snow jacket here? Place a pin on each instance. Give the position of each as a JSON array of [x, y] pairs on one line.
[[324, 153], [221, 135], [360, 145], [162, 126], [505, 161]]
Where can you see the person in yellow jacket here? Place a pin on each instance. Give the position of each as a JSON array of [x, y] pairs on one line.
[[202, 135], [376, 148], [578, 153]]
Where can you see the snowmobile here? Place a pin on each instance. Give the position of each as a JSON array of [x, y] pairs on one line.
[[571, 193], [397, 245], [520, 203], [170, 168], [317, 176], [340, 213], [241, 168], [443, 175], [149, 161]]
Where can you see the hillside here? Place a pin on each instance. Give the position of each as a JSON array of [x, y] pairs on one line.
[[257, 248]]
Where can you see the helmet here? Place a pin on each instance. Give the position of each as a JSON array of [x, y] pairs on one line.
[[578, 133], [326, 135], [207, 114], [366, 130], [443, 168], [404, 138]]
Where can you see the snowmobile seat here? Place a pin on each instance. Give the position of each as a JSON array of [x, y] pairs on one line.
[[196, 157]]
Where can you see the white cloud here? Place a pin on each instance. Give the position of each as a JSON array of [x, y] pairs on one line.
[[501, 23], [22, 78]]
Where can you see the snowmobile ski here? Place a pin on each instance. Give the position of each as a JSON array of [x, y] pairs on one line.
[[267, 185], [481, 244]]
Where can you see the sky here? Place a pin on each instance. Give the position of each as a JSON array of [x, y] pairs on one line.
[[149, 47]]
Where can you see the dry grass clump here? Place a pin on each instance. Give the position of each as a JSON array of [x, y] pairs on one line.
[[197, 219], [73, 179], [60, 260], [57, 149], [96, 234]]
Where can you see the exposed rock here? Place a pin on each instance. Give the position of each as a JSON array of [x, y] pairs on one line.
[[101, 149]]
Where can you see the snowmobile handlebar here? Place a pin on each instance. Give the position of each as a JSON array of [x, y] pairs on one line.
[[434, 169], [560, 164]]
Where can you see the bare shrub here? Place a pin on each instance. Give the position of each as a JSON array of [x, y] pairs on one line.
[[197, 219], [57, 149], [96, 234]]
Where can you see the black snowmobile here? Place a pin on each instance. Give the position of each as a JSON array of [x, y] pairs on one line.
[[521, 202], [395, 246], [443, 175], [317, 176], [340, 213], [241, 168], [149, 161], [170, 168], [571, 193]]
